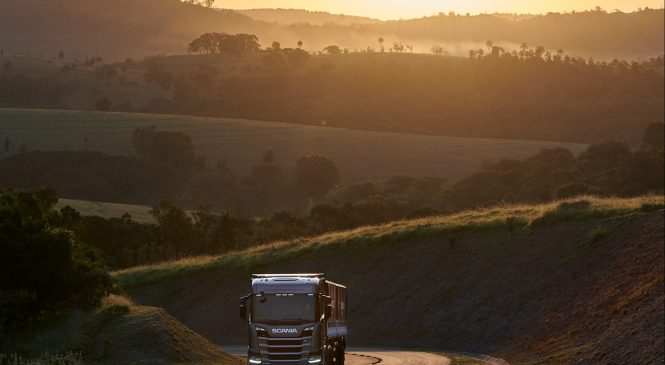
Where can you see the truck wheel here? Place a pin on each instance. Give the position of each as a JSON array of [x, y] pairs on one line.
[[340, 356]]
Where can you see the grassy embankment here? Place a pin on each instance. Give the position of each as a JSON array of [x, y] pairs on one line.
[[510, 217]]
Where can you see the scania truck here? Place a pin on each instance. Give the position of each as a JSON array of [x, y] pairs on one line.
[[295, 319]]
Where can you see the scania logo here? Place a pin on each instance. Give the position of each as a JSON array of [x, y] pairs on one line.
[[284, 330]]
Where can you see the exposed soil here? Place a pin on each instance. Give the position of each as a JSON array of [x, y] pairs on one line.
[[542, 295]]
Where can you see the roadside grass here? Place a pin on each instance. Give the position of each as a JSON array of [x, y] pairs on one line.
[[594, 236], [505, 218], [67, 336], [457, 359], [71, 358]]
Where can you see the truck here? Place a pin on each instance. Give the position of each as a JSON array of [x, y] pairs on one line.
[[295, 319]]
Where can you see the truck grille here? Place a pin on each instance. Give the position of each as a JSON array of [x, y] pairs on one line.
[[287, 350]]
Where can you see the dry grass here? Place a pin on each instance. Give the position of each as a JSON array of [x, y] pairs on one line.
[[499, 217], [139, 213]]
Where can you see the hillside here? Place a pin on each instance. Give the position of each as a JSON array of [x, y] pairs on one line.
[[576, 281], [113, 29], [117, 29], [241, 143], [110, 335], [295, 16]]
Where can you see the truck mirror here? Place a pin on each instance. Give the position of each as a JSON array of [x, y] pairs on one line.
[[328, 311], [243, 307]]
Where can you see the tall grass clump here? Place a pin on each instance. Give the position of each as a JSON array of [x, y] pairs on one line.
[[70, 358]]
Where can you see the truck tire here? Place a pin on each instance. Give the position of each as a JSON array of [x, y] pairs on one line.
[[340, 355]]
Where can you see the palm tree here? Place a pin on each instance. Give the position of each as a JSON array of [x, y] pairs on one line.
[[381, 44], [300, 44]]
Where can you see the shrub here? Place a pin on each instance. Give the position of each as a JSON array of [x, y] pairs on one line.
[[572, 190], [103, 105], [44, 267]]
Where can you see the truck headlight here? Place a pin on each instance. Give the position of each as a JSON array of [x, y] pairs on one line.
[[254, 359], [314, 359]]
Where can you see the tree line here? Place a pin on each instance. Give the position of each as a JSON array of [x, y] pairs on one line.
[[603, 169]]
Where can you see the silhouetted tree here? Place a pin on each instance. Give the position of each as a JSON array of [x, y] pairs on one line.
[[103, 105], [654, 137], [165, 148], [315, 175], [44, 268], [332, 49]]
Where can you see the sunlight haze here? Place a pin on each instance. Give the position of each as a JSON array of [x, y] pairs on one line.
[[392, 9]]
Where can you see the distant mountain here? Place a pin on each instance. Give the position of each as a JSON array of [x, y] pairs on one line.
[[294, 16], [117, 29]]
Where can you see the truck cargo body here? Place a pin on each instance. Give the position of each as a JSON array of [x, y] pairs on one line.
[[295, 319]]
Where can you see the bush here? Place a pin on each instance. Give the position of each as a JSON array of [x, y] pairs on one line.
[[572, 190], [103, 105], [44, 267]]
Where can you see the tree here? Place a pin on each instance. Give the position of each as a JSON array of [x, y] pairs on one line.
[[273, 59], [103, 105], [381, 40], [44, 267], [175, 228], [438, 50], [315, 175], [297, 56], [654, 137], [300, 44], [276, 46], [165, 148], [332, 49], [61, 55]]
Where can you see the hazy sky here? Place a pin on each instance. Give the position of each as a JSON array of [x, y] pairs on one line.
[[393, 9]]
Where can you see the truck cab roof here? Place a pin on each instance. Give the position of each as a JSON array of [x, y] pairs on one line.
[[288, 283]]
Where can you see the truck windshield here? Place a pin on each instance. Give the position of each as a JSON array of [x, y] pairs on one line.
[[284, 308]]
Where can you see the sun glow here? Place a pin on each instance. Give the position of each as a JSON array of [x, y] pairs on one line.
[[395, 9]]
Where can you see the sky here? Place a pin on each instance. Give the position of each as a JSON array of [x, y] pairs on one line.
[[393, 9]]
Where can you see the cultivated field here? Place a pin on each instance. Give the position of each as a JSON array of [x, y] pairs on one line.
[[360, 155], [139, 213]]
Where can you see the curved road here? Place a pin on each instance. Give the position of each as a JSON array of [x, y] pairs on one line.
[[390, 357], [375, 356]]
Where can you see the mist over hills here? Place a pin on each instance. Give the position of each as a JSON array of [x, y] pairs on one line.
[[117, 29]]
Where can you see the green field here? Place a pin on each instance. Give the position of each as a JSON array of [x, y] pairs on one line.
[[360, 155], [139, 213]]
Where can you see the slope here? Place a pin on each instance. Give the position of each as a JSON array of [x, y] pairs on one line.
[[576, 281], [119, 332]]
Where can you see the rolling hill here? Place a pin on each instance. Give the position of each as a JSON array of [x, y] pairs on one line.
[[117, 29], [295, 16], [573, 281], [360, 155]]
